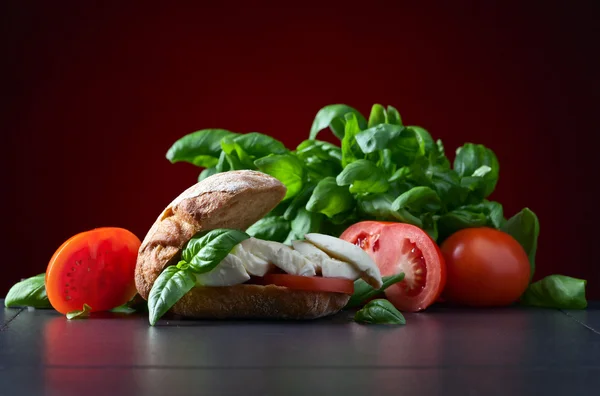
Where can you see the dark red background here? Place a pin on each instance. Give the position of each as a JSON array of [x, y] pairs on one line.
[[93, 95]]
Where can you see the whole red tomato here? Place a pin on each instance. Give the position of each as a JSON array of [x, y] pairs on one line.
[[485, 267]]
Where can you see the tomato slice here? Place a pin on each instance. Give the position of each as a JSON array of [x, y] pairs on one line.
[[309, 283], [399, 247], [94, 267]]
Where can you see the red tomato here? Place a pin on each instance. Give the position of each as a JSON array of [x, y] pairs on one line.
[[94, 267], [399, 247], [310, 283], [486, 267]]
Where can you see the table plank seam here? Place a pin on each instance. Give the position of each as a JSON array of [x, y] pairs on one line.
[[482, 367], [5, 324], [580, 322]]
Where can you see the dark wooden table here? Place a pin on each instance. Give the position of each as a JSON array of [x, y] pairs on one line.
[[510, 351]]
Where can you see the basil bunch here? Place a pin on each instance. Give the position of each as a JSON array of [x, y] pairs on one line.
[[382, 170]]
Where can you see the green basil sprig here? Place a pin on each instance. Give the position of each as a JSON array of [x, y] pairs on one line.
[[170, 286], [556, 291], [364, 292], [379, 311], [82, 314], [30, 292], [201, 254]]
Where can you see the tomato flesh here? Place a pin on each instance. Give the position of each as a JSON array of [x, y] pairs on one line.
[[308, 283], [399, 247], [95, 268]]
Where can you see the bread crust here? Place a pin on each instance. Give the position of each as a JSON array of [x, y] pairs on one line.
[[235, 199], [258, 302]]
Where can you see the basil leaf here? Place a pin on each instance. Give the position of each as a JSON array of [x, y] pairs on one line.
[[274, 228], [556, 291], [84, 313], [363, 176], [222, 164], [332, 116], [430, 225], [350, 149], [321, 159], [319, 149], [305, 222], [425, 140], [260, 145], [287, 168], [298, 202], [418, 199], [363, 292], [445, 182], [203, 253], [379, 311], [458, 219], [378, 116], [207, 173], [170, 286], [491, 209], [469, 160], [378, 137], [379, 206], [201, 148], [136, 304], [525, 228], [393, 116], [406, 147], [236, 156], [329, 198], [30, 292]]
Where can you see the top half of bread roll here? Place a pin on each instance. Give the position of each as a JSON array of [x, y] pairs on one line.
[[235, 199]]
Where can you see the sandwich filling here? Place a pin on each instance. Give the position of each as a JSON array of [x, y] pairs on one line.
[[318, 256]]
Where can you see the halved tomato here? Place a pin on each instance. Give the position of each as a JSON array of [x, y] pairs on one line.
[[399, 247], [309, 283], [94, 267]]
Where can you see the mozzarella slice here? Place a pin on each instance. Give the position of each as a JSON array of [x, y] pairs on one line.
[[329, 268], [343, 250], [228, 272], [254, 265], [281, 256]]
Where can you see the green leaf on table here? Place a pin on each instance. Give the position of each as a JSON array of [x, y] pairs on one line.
[[201, 148], [330, 199], [84, 313], [525, 228], [287, 168], [363, 292], [332, 116], [205, 251], [30, 292], [556, 291], [170, 286], [379, 311], [274, 228], [363, 176]]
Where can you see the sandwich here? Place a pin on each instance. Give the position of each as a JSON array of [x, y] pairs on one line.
[[197, 261]]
